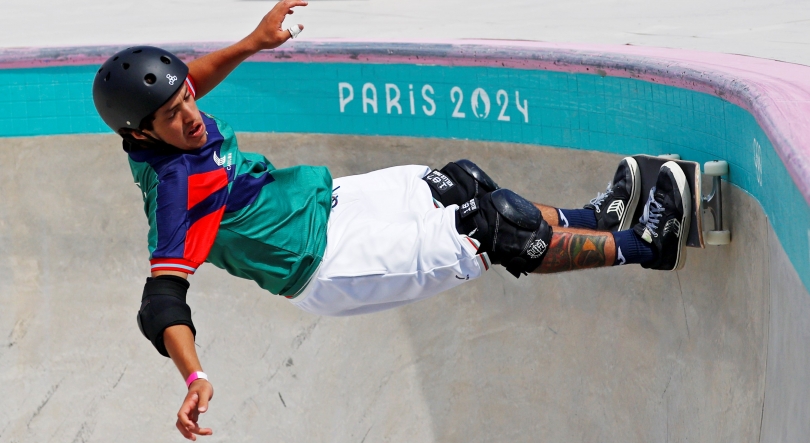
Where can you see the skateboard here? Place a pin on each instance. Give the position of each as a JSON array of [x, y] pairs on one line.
[[697, 238]]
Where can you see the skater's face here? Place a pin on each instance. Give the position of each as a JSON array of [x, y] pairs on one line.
[[178, 122]]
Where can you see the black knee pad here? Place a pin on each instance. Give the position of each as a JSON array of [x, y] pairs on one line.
[[510, 228], [458, 182]]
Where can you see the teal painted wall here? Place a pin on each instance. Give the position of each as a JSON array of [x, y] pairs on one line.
[[577, 111]]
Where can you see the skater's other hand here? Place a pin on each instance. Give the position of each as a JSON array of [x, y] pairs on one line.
[[199, 394], [269, 34]]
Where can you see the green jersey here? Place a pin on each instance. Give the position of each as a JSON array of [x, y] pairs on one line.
[[234, 210]]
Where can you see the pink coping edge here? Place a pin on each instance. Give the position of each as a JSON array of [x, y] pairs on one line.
[[776, 93]]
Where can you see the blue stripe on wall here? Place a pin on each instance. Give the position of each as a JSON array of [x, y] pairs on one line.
[[578, 111]]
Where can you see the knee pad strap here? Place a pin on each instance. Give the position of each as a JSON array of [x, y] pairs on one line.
[[458, 182]]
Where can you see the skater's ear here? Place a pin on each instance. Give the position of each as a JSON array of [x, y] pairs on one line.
[[134, 134], [138, 135], [142, 133]]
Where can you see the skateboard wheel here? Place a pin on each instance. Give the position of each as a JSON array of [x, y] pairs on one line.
[[670, 156], [715, 168], [717, 238]]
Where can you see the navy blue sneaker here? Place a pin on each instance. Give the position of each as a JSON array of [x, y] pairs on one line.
[[666, 218], [615, 207]]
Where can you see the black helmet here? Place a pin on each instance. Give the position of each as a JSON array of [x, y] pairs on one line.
[[134, 83]]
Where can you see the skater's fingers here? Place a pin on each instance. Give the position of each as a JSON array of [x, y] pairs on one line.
[[186, 433], [196, 429], [204, 391], [294, 31], [188, 426], [199, 394], [203, 431], [184, 415], [269, 34], [203, 405], [286, 7]]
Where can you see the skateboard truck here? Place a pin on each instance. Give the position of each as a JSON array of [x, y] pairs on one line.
[[714, 203]]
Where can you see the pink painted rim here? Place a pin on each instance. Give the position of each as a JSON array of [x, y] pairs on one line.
[[776, 93]]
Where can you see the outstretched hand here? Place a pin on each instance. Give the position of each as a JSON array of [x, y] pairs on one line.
[[199, 394], [209, 70], [269, 34]]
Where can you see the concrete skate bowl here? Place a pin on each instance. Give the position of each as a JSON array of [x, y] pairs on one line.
[[716, 352]]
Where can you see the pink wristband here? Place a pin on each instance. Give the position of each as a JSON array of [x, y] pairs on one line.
[[194, 376]]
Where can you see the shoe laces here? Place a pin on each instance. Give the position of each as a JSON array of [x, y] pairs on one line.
[[652, 212], [601, 196]]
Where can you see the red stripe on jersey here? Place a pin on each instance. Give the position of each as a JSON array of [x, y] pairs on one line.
[[200, 236], [174, 264], [171, 268], [200, 186]]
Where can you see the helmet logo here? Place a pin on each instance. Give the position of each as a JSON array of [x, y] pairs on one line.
[[172, 79]]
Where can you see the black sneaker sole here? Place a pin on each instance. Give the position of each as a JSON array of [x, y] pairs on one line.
[[626, 221], [686, 219]]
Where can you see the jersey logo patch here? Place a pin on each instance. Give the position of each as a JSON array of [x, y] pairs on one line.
[[223, 161]]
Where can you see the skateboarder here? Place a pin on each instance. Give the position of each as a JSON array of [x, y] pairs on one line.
[[347, 246]]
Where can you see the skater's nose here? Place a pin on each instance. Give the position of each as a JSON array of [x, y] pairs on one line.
[[189, 113]]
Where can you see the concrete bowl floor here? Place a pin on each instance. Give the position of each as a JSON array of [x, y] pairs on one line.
[[602, 355]]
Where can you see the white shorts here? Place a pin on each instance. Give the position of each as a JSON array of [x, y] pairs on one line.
[[388, 245]]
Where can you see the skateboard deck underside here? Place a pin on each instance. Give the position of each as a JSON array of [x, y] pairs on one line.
[[649, 166]]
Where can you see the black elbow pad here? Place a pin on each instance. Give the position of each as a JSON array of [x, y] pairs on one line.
[[164, 304]]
